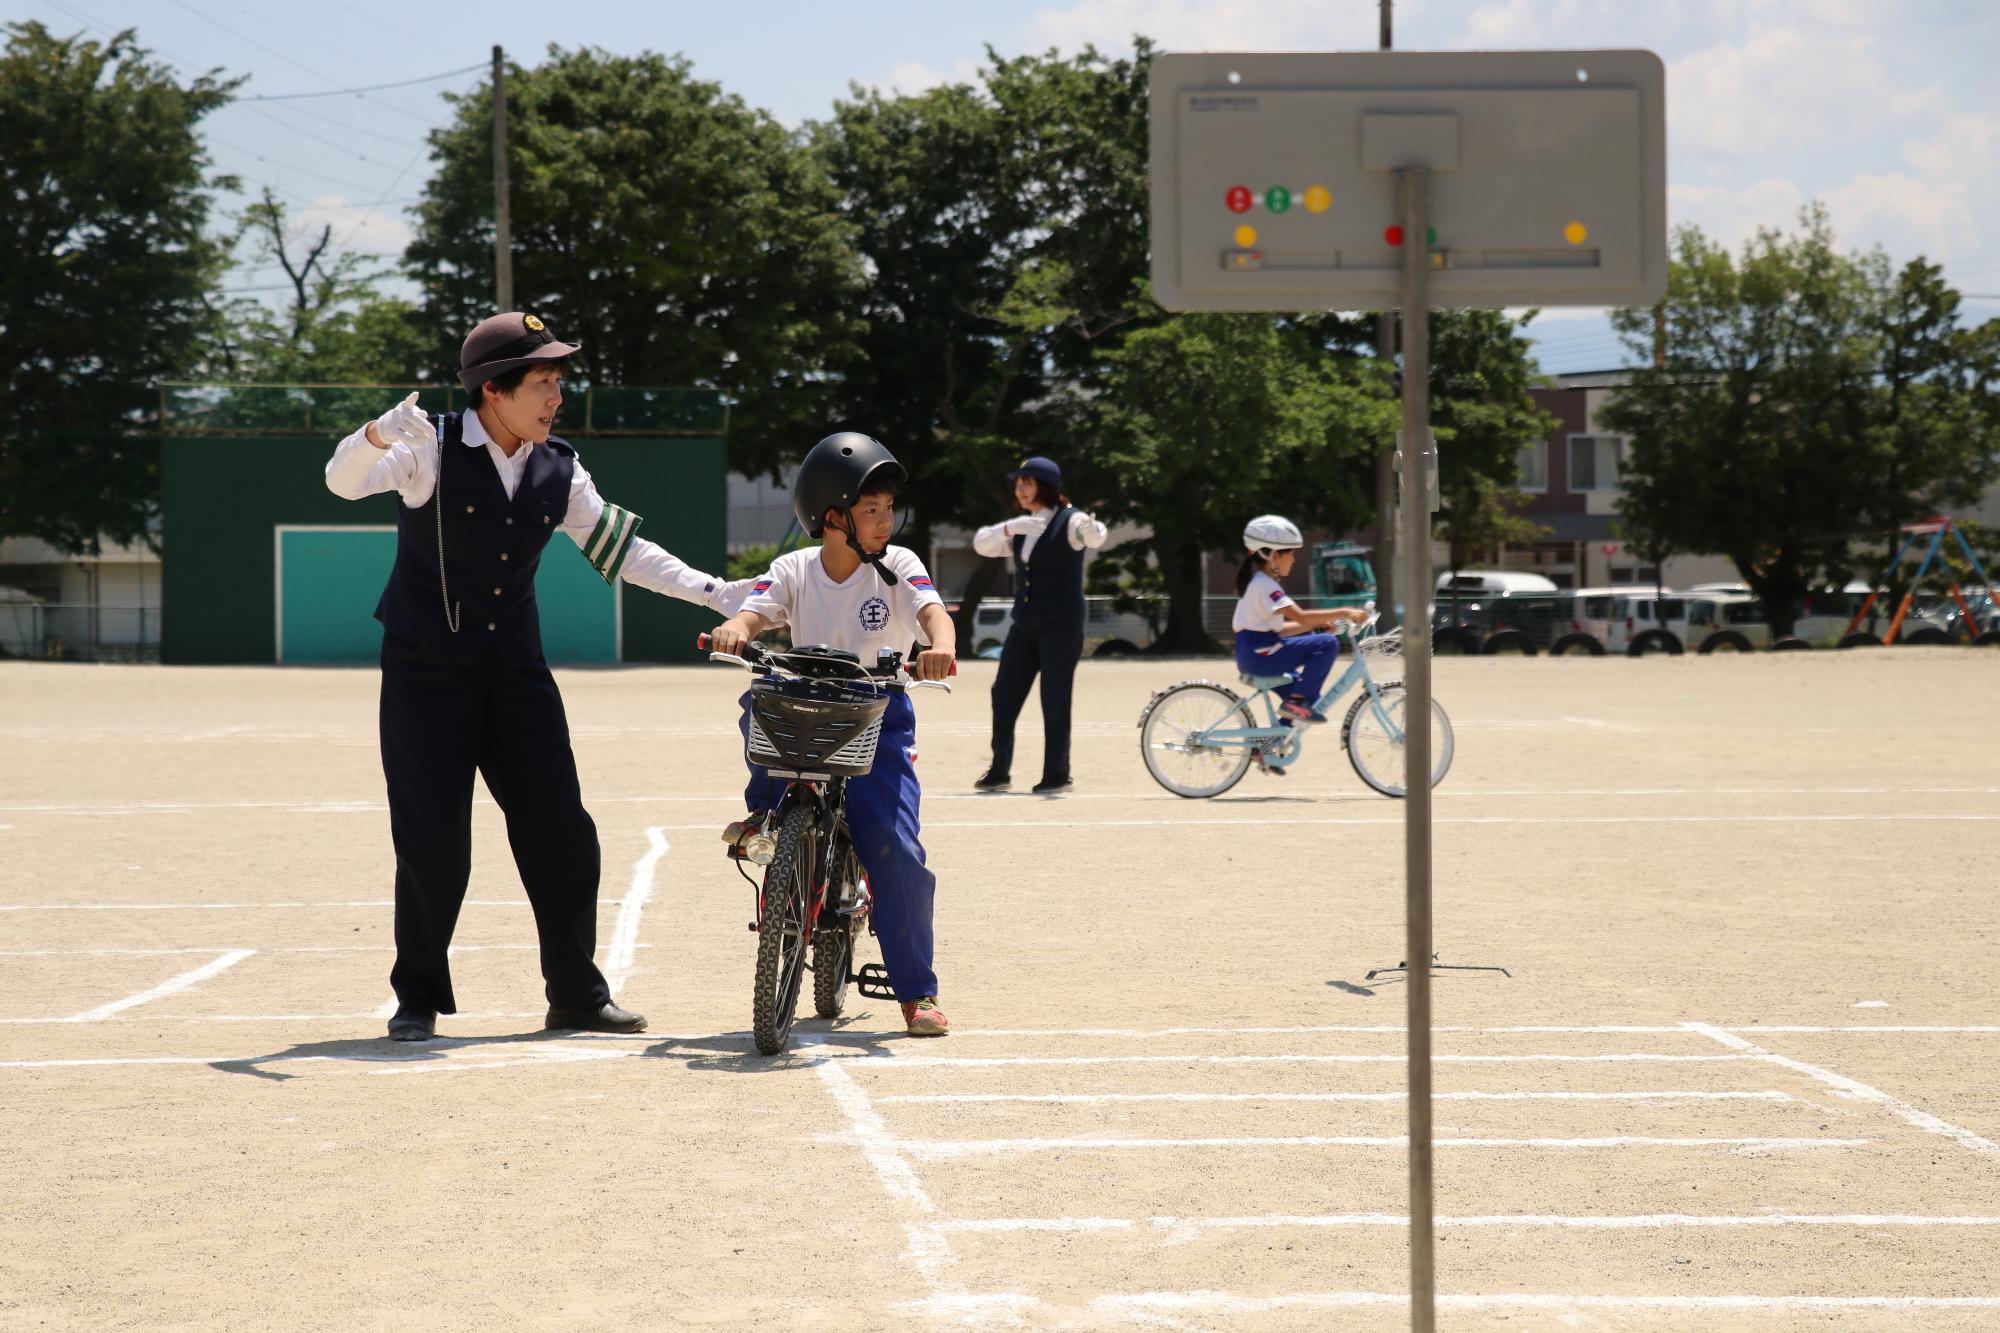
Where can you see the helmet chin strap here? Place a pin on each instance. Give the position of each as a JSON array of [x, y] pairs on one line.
[[871, 558]]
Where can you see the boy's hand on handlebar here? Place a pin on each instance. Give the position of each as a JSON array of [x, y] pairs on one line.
[[730, 636], [935, 664]]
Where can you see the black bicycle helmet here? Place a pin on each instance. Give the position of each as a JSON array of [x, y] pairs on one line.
[[833, 476], [835, 473]]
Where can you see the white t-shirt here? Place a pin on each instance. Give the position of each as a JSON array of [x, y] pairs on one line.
[[860, 615], [1262, 606]]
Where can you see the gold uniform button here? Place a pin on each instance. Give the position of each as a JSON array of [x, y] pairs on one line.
[[496, 592], [510, 523], [503, 554], [491, 625], [468, 509], [545, 518]]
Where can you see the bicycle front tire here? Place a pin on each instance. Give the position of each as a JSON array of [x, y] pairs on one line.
[[1169, 740], [1377, 756], [781, 930]]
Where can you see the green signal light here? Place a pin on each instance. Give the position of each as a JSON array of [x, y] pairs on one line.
[[1277, 199]]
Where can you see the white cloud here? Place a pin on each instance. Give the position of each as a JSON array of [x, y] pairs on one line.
[[356, 228], [1732, 216], [914, 76]]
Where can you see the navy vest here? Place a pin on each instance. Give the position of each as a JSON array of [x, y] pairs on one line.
[[492, 547], [1048, 585]]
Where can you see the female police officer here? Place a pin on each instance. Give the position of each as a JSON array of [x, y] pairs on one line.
[[1047, 538], [464, 684]]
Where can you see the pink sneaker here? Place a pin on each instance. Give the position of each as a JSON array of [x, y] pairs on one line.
[[924, 1019]]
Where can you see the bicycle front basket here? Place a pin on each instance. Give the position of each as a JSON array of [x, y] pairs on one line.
[[809, 726]]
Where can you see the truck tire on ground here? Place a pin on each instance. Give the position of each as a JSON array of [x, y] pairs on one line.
[[1508, 641], [1577, 643], [1926, 637], [1791, 643], [1861, 638], [1724, 641], [1653, 641], [1989, 639], [1115, 648], [1454, 643]]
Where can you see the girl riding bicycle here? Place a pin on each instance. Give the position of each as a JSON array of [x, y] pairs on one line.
[[1274, 636], [857, 593]]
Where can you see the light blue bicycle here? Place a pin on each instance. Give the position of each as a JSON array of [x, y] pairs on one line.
[[1199, 738]]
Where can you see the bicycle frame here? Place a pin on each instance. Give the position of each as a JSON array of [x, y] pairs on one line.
[[1282, 745]]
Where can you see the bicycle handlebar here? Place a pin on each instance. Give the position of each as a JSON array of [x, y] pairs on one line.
[[756, 657]]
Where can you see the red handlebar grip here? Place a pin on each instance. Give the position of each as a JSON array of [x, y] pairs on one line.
[[701, 641]]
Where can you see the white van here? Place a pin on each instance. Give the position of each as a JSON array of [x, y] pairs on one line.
[[1492, 583]]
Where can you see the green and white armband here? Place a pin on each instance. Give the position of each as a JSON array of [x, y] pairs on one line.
[[610, 541]]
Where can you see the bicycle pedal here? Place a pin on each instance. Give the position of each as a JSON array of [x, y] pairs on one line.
[[873, 981]]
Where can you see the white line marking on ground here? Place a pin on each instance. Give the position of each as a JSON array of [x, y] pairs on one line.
[[994, 1061], [1637, 1222], [1219, 1302], [1114, 1098], [922, 1234], [548, 1055], [938, 1149], [625, 935], [1858, 1091], [167, 987], [1457, 819], [297, 948], [232, 907]]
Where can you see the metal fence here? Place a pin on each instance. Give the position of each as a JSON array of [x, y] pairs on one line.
[[79, 631], [335, 409]]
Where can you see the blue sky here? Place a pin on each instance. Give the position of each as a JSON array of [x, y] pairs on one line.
[[1884, 109]]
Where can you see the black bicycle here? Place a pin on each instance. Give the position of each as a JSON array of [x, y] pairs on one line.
[[815, 720]]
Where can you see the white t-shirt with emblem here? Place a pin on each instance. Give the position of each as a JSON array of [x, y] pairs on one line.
[[861, 615], [1262, 606]]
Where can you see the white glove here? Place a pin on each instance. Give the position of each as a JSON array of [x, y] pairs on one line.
[[1022, 525], [406, 424]]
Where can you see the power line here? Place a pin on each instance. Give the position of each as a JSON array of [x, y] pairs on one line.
[[273, 51], [370, 88]]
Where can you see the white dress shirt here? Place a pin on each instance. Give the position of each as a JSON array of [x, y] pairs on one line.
[[995, 539], [358, 469]]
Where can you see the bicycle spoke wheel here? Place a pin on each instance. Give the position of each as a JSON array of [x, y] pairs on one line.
[[1373, 737], [833, 945], [781, 931], [1173, 740]]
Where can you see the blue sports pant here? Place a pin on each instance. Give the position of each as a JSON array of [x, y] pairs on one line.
[[883, 818], [1309, 656]]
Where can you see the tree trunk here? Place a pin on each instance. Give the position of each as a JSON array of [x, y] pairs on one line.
[[985, 576], [1180, 564]]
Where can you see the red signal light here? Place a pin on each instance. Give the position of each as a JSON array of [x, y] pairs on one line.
[[1238, 199]]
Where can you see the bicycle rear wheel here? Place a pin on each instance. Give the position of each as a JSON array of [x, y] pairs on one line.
[[1376, 750], [781, 930], [833, 944], [1172, 740]]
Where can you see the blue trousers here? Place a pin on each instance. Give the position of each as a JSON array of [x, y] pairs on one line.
[[1053, 652], [883, 818], [1309, 656]]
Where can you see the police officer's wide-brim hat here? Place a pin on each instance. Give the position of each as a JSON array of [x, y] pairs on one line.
[[1038, 466], [507, 342]]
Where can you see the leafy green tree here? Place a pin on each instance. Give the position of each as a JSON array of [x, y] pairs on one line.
[[1481, 368], [1808, 397], [1212, 418], [109, 280], [335, 327], [683, 237]]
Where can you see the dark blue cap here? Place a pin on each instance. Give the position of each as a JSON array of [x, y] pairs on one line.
[[1044, 468]]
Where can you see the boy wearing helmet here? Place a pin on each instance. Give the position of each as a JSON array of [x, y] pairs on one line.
[[858, 593], [1273, 635]]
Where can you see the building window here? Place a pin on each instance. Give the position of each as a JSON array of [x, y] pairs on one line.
[[1594, 462], [1534, 460]]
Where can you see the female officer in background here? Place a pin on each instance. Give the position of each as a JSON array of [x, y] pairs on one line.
[[1047, 540]]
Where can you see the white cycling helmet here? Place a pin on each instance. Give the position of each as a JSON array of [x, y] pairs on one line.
[[1267, 533]]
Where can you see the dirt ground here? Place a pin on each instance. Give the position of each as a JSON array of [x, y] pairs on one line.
[[1742, 1075]]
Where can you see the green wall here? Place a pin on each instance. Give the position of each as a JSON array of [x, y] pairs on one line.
[[223, 497]]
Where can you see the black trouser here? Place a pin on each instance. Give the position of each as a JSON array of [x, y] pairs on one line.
[[1053, 652], [440, 722]]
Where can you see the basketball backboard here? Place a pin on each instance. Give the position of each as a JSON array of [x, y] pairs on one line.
[[1273, 181]]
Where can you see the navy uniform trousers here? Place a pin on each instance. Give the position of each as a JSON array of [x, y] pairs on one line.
[[1046, 639], [442, 721]]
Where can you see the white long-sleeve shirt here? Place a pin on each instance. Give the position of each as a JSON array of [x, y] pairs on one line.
[[996, 539], [358, 469]]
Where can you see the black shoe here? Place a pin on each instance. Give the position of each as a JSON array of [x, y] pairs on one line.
[[992, 780], [607, 1017], [412, 1023], [1050, 786]]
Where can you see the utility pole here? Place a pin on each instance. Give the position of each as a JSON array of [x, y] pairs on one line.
[[503, 221], [1660, 336], [1385, 461]]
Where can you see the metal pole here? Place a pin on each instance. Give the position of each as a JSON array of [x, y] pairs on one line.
[[1385, 461], [1416, 543], [503, 220]]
